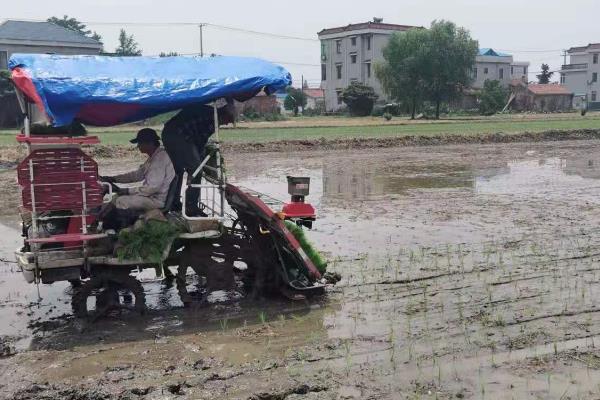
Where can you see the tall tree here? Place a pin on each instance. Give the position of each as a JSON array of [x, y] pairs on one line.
[[433, 64], [492, 97], [295, 99], [74, 25], [96, 37], [451, 53], [127, 45], [545, 76], [402, 74]]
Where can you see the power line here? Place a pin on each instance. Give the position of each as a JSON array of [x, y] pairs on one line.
[[273, 61], [274, 35], [237, 29], [247, 31], [532, 51], [117, 22], [224, 27], [194, 24], [295, 63]]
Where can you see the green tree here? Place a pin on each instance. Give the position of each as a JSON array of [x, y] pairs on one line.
[[74, 25], [402, 74], [360, 99], [451, 53], [294, 100], [545, 76], [492, 98], [127, 45]]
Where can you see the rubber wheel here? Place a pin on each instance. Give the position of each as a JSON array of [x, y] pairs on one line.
[[104, 288]]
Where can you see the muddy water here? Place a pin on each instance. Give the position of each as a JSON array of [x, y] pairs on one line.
[[468, 271], [369, 202]]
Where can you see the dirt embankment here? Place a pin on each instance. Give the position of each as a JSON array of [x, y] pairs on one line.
[[10, 155], [416, 140]]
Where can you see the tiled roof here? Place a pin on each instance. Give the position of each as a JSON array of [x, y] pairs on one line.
[[486, 51], [591, 46], [315, 93], [42, 32], [550, 88], [368, 25]]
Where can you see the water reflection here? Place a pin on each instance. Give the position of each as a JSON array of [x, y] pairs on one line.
[[547, 177], [583, 167], [533, 176], [373, 180]]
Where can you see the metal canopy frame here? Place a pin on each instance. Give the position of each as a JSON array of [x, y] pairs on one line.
[[212, 193], [37, 215], [212, 186]]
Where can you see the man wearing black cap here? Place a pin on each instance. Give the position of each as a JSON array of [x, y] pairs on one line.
[[155, 174]]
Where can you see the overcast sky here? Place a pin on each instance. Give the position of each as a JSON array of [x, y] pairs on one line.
[[531, 30]]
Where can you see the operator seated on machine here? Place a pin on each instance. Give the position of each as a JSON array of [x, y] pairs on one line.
[[185, 137], [156, 174]]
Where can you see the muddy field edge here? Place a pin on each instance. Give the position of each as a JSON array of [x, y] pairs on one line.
[[13, 153]]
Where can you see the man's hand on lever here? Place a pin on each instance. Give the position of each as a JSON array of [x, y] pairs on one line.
[[115, 189]]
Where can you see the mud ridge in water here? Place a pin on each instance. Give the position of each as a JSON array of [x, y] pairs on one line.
[[418, 140], [11, 155]]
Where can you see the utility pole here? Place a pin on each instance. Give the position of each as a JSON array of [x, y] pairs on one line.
[[302, 89], [201, 42]]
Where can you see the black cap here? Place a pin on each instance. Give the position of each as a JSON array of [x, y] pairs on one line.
[[146, 135]]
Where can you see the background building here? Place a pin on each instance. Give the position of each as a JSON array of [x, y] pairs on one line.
[[493, 65], [41, 38], [349, 53], [315, 98], [259, 104], [581, 75], [540, 98]]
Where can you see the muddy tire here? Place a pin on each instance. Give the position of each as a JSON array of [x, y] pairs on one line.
[[181, 280], [75, 283], [186, 261], [209, 262], [104, 288]]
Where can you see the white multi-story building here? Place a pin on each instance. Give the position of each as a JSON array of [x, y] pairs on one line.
[[580, 76], [496, 66], [348, 53]]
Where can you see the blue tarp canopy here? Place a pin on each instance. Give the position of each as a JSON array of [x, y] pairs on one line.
[[105, 91]]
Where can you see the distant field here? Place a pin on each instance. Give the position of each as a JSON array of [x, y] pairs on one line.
[[339, 127], [305, 122]]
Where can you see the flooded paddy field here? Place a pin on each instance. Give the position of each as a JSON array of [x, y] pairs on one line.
[[467, 272]]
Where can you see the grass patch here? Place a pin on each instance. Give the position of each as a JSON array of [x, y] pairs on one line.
[[310, 251], [121, 135], [464, 128]]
